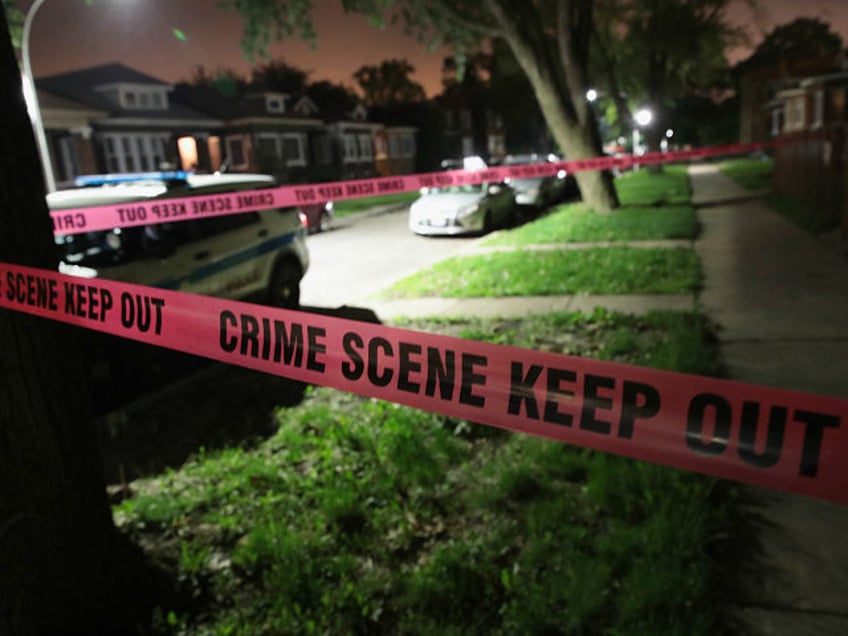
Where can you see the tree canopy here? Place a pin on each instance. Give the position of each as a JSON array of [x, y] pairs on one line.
[[389, 83], [653, 53], [550, 39], [803, 37], [15, 21], [278, 75]]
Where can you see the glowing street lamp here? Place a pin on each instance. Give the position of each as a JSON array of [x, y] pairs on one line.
[[642, 117], [591, 95], [31, 98]]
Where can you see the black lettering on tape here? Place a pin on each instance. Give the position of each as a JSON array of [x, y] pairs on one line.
[[811, 449], [443, 373], [555, 394], [521, 389], [721, 424], [631, 395], [375, 376], [774, 435], [592, 401], [353, 367], [141, 312], [315, 337], [407, 365], [470, 379]]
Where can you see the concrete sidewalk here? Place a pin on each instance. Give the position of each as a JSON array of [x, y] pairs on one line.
[[781, 299]]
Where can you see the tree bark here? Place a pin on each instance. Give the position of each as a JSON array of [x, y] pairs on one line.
[[555, 73], [63, 565]]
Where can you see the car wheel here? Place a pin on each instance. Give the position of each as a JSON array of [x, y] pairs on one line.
[[284, 289], [325, 222], [487, 222]]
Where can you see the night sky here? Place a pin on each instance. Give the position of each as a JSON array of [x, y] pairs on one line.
[[72, 34]]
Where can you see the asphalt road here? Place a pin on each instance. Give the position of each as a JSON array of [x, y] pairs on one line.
[[366, 254]]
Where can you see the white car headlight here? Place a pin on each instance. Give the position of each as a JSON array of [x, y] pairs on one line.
[[468, 210]]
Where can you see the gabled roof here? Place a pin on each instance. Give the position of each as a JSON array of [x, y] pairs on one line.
[[81, 86]]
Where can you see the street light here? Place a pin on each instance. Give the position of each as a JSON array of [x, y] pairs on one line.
[[642, 117], [31, 97]]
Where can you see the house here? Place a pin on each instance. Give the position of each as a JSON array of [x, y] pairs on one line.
[[266, 132], [811, 112], [112, 118], [470, 127], [132, 123]]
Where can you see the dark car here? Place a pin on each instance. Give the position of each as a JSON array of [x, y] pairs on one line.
[[317, 217]]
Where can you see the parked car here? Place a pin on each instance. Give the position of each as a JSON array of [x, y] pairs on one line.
[[254, 255], [318, 217], [537, 192], [468, 209]]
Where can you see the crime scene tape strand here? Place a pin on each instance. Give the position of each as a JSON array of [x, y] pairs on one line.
[[784, 440]]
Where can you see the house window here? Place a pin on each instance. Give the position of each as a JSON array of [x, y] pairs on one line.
[[236, 156], [351, 152], [293, 149], [323, 150], [394, 150], [380, 147], [142, 98], [776, 121], [465, 119], [818, 108], [795, 114], [407, 145], [131, 152], [275, 104], [365, 147]]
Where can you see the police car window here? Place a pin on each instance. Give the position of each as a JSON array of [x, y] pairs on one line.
[[220, 224]]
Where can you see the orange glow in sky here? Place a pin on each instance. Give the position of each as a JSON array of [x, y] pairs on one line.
[[72, 34]]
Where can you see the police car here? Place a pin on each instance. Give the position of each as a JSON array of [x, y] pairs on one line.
[[251, 255]]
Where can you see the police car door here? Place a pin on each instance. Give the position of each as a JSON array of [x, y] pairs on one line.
[[223, 256]]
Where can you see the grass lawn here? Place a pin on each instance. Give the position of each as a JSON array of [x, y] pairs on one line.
[[609, 270], [643, 187], [363, 517], [754, 174], [653, 206], [354, 206], [577, 223]]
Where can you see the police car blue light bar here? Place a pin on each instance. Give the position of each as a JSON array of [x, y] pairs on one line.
[[130, 177]]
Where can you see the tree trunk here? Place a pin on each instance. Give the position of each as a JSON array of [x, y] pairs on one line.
[[63, 565], [577, 137]]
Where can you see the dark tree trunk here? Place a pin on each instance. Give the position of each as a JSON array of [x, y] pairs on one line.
[[557, 73], [63, 565]]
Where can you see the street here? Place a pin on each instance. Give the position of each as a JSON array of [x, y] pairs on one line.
[[363, 255]]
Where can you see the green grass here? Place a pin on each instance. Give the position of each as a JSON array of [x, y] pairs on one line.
[[577, 223], [612, 270], [754, 174], [646, 188], [363, 517], [354, 206]]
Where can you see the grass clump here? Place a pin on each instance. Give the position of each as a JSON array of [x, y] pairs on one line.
[[612, 270], [577, 223], [644, 187], [364, 517], [751, 173]]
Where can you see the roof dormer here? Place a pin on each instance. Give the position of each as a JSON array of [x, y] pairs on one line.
[[132, 96], [305, 107]]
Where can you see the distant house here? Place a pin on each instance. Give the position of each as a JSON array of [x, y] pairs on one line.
[[68, 124], [812, 112], [134, 123], [470, 126], [758, 85], [260, 132], [112, 118]]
